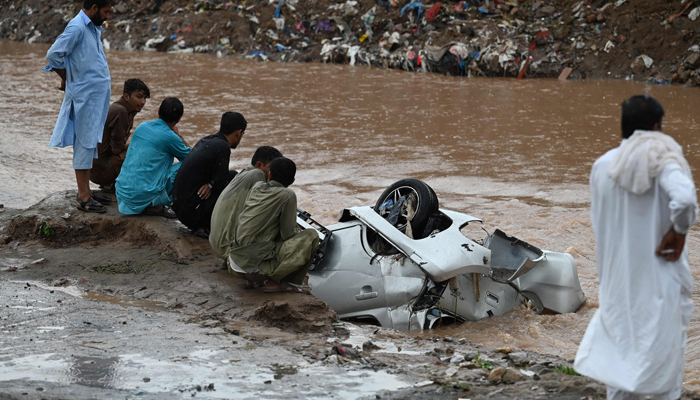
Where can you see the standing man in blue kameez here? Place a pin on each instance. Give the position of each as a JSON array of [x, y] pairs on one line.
[[78, 58]]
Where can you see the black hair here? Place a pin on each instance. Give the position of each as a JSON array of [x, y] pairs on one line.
[[136, 85], [87, 4], [283, 171], [640, 112], [171, 110], [265, 154], [231, 122]]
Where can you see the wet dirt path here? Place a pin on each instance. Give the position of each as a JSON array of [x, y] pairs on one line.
[[515, 153], [59, 341]]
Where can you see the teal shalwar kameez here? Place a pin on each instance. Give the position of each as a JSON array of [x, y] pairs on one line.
[[148, 172]]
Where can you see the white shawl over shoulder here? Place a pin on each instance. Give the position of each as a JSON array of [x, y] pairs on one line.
[[642, 157]]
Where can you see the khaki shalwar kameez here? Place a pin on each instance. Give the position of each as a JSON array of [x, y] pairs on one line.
[[265, 242]]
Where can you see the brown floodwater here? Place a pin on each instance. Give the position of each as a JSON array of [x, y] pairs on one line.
[[514, 153]]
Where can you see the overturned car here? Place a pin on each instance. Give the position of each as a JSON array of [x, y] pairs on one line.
[[406, 264]]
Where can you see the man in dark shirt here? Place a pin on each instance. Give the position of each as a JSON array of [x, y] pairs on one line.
[[120, 120], [204, 174]]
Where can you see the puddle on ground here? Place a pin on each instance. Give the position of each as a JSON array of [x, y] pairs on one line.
[[94, 371], [197, 375], [13, 264], [148, 304], [281, 371]]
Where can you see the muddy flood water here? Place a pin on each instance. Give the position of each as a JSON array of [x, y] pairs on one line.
[[515, 153]]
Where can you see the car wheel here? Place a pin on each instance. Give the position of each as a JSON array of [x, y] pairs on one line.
[[426, 204]]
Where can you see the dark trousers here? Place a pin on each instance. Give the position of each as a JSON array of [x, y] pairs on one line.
[[194, 211]]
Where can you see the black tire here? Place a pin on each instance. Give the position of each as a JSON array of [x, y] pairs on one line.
[[427, 203]]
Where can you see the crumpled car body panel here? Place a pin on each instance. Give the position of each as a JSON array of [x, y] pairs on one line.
[[472, 281]]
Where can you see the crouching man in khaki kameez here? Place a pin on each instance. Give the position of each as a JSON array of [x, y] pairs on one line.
[[265, 244]]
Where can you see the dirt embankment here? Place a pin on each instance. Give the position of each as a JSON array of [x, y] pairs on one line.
[[148, 258], [637, 39]]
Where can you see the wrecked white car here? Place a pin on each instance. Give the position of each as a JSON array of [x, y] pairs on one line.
[[406, 264]]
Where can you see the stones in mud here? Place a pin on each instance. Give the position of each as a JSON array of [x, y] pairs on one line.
[[369, 346], [519, 357], [496, 375], [512, 376], [210, 323], [457, 359], [504, 350]]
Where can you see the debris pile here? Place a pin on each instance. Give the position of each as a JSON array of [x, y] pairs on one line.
[[633, 39]]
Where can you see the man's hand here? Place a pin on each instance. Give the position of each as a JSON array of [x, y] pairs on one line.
[[204, 192], [62, 74], [671, 246]]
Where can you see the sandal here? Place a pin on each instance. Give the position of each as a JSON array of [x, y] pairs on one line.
[[105, 190], [91, 205], [288, 288], [102, 199], [253, 285], [164, 212]]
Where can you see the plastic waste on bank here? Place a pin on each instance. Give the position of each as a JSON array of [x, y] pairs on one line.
[[433, 12], [413, 6], [694, 13]]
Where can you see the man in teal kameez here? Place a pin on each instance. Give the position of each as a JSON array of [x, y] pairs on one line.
[[265, 242], [145, 183]]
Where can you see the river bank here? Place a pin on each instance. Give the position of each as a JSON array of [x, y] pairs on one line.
[[642, 40], [112, 305]]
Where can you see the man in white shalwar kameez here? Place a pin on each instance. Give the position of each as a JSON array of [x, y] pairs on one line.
[[643, 202]]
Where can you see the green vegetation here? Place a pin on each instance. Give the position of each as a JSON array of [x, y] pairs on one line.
[[46, 230], [566, 370], [483, 364], [125, 267]]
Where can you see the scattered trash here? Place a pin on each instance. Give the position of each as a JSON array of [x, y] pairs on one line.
[[609, 46], [694, 13]]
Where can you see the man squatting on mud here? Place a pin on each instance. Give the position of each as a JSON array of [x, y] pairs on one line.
[[265, 244], [643, 203]]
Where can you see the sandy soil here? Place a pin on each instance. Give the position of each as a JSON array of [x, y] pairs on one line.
[[594, 38], [141, 296]]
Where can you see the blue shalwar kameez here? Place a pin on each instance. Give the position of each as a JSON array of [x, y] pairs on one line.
[[81, 121]]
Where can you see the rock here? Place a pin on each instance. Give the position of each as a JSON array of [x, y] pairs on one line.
[[450, 372], [120, 8], [513, 375], [589, 390], [448, 339], [496, 374], [211, 323], [546, 11], [519, 357], [561, 33], [594, 48], [693, 60], [457, 359], [591, 18], [504, 350]]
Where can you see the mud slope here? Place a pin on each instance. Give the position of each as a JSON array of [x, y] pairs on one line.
[[646, 40], [145, 258]]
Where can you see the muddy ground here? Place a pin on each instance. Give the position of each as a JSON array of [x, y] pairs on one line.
[[647, 40], [112, 306]]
